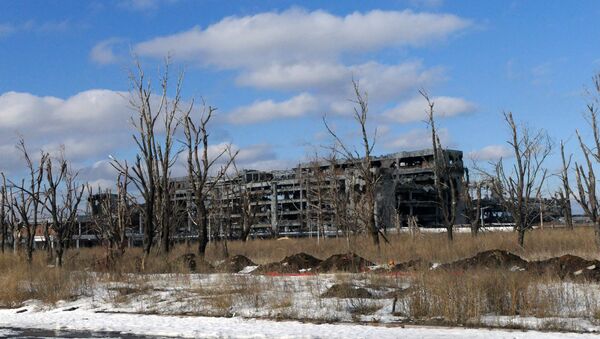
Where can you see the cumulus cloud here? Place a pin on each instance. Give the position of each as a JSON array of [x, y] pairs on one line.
[[89, 124], [34, 26], [297, 35], [6, 29], [416, 139], [490, 152], [416, 109], [381, 81], [143, 5], [260, 111], [102, 53]]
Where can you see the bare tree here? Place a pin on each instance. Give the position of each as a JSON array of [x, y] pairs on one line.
[[28, 204], [472, 209], [111, 214], [564, 195], [368, 175], [199, 167], [4, 205], [519, 188], [62, 194], [445, 185], [245, 200], [151, 170]]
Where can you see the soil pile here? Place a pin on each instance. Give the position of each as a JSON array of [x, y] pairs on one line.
[[234, 264], [296, 263], [567, 266], [410, 265], [194, 264], [489, 259], [346, 290], [301, 261], [349, 262]]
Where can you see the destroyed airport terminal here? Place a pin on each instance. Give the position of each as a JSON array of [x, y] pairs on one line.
[[319, 198]]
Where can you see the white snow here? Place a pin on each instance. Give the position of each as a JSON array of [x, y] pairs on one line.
[[208, 327], [248, 269]]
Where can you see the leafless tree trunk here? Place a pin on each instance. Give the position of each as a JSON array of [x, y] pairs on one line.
[[445, 185], [519, 188], [29, 202], [112, 217], [4, 204], [246, 200], [151, 171], [565, 193], [472, 210], [585, 176], [63, 195], [367, 173], [199, 167]]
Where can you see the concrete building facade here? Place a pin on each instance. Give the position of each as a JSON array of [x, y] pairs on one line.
[[324, 198]]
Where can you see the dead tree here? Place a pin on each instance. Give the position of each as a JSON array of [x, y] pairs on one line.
[[151, 170], [472, 209], [564, 195], [4, 205], [29, 202], [585, 173], [518, 189], [445, 185], [111, 215], [368, 175], [199, 167], [245, 201], [62, 195]]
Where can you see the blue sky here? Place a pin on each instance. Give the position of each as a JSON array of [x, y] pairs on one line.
[[274, 68]]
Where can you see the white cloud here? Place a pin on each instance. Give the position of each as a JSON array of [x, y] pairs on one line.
[[416, 139], [490, 152], [296, 76], [102, 53], [296, 35], [416, 109], [381, 81], [260, 111], [143, 5], [34, 26], [90, 124], [6, 29]]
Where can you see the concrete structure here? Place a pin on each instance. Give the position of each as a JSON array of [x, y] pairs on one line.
[[323, 198]]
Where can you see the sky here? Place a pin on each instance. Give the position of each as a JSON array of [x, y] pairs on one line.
[[274, 69]]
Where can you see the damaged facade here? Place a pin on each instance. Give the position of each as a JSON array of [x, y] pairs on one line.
[[325, 197]]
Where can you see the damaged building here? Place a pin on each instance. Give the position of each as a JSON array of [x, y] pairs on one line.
[[325, 197]]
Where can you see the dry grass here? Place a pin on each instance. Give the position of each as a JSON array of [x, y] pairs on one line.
[[20, 281], [431, 247], [463, 298]]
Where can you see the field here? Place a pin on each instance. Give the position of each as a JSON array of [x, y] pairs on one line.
[[474, 282]]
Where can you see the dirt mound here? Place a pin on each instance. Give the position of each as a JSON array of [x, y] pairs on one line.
[[345, 290], [194, 264], [296, 263], [349, 262], [410, 265], [234, 264], [301, 261], [489, 259], [567, 266]]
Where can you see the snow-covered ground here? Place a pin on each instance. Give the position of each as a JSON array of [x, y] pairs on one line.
[[234, 305], [214, 327]]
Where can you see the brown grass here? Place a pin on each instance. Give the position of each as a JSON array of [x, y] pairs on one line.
[[20, 281], [431, 247], [463, 298]]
